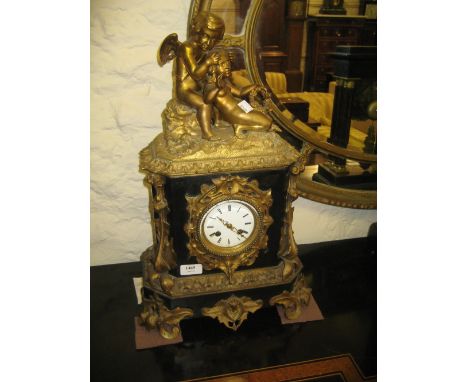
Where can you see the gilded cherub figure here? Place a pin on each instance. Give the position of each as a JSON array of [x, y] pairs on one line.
[[192, 63], [221, 92]]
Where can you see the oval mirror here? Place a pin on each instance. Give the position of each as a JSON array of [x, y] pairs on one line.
[[266, 42]]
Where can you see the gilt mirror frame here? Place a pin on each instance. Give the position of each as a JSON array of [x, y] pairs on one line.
[[319, 192]]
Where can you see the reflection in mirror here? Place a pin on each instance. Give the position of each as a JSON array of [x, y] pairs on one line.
[[279, 49], [315, 109], [233, 13], [239, 73]]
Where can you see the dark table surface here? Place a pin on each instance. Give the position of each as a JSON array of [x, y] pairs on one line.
[[342, 275]]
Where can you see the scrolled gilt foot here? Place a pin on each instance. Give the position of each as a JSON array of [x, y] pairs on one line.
[[293, 302], [233, 311], [156, 315]]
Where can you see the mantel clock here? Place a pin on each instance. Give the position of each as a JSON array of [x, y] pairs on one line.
[[221, 184]]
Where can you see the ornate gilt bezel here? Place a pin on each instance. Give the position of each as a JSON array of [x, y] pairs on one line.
[[243, 247], [222, 189]]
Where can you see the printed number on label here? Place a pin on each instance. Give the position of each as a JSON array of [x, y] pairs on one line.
[[191, 269]]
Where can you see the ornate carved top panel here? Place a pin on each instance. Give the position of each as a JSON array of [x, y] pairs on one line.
[[264, 150]]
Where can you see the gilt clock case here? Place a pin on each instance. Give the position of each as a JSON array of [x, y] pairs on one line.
[[185, 187]]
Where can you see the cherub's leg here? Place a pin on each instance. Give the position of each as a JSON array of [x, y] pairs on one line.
[[204, 111], [253, 121], [204, 119], [239, 129], [216, 117]]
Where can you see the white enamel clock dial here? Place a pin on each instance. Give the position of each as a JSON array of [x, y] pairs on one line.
[[229, 224]]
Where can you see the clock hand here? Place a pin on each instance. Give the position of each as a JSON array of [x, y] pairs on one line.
[[228, 225], [217, 233], [232, 228], [225, 223]]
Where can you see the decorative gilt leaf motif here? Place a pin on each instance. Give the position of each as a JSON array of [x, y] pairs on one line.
[[165, 255], [211, 282], [293, 301], [156, 315], [300, 163], [169, 320], [233, 311], [288, 247]]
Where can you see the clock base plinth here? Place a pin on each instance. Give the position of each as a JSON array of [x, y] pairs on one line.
[[184, 297]]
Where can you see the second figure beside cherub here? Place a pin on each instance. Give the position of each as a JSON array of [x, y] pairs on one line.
[[220, 92]]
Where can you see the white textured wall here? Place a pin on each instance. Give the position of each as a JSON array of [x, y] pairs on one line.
[[128, 93]]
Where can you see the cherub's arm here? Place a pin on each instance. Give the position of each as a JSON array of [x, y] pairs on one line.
[[195, 71], [242, 92], [210, 93]]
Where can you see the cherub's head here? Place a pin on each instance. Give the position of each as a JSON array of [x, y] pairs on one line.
[[224, 64], [222, 69], [208, 29]]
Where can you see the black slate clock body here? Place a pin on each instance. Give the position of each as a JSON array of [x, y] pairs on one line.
[[177, 188]]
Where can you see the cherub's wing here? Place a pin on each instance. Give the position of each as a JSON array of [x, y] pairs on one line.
[[168, 48]]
